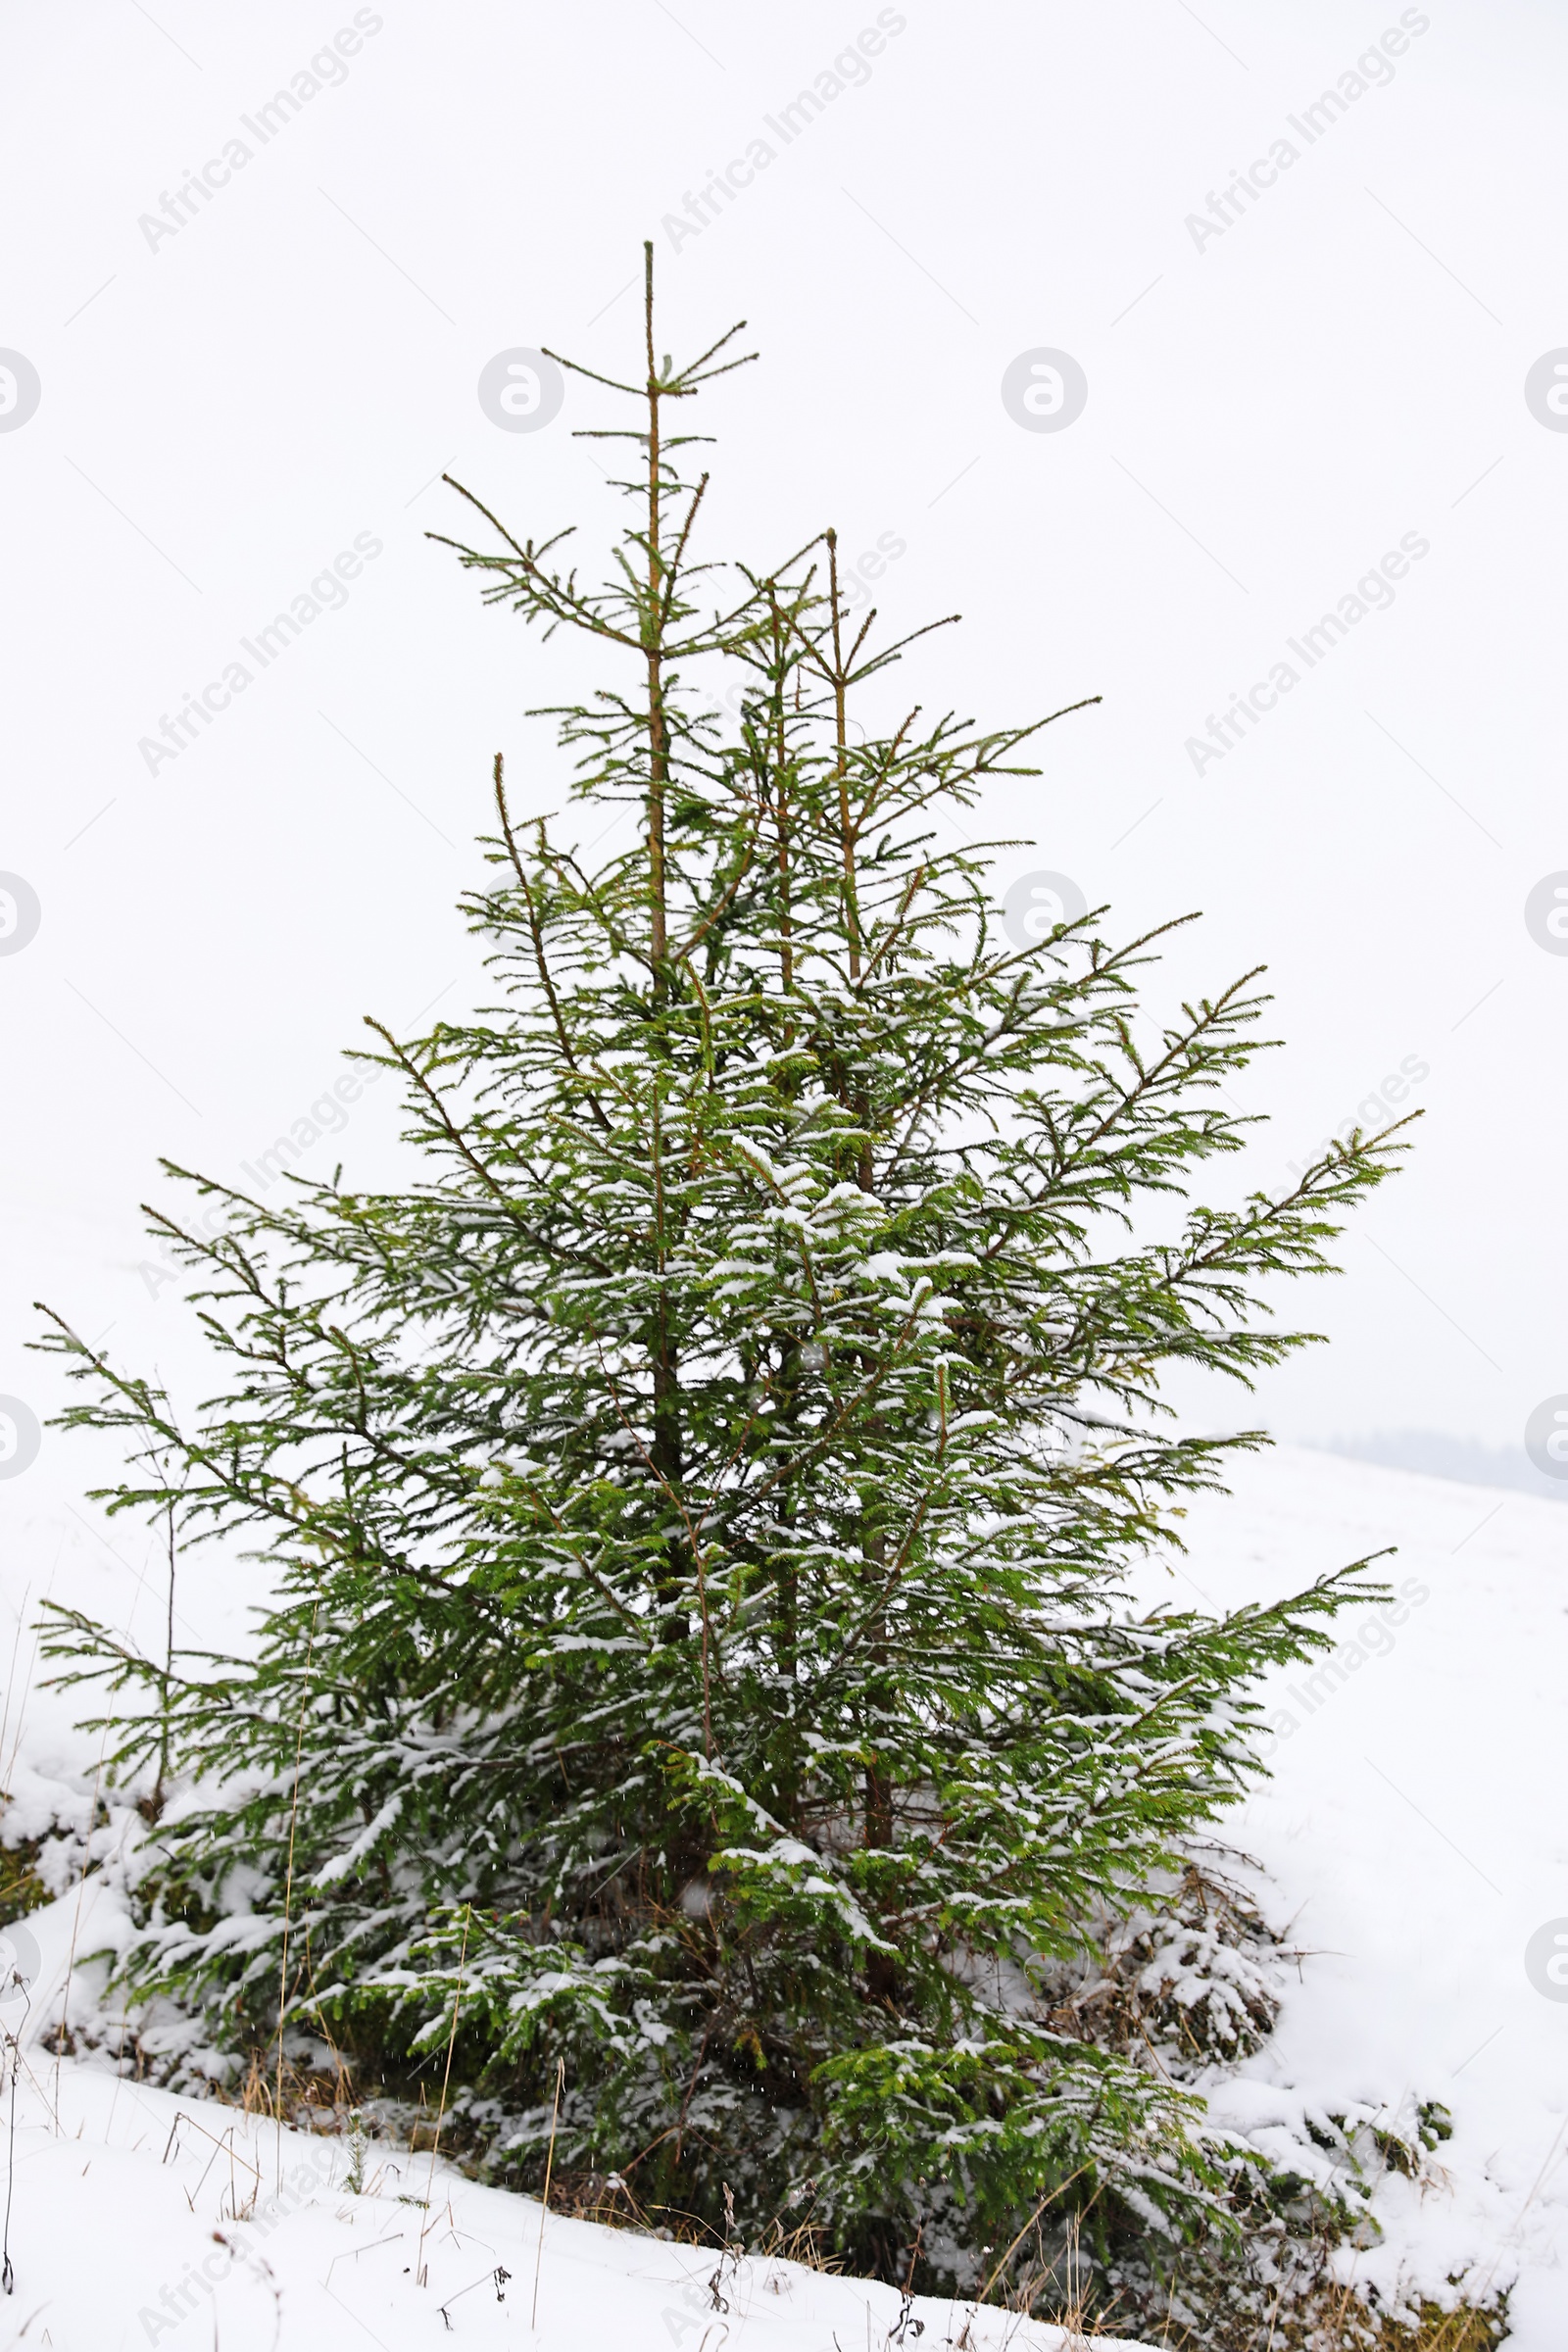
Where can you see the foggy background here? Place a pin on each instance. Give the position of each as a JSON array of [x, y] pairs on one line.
[[1273, 405]]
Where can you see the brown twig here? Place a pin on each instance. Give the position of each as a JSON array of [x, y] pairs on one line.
[[76, 1923], [288, 1899], [421, 2273], [544, 2206]]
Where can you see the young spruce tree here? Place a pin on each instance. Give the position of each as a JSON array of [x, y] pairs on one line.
[[696, 1514]]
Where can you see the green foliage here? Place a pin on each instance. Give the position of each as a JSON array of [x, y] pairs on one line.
[[696, 1513], [20, 1889]]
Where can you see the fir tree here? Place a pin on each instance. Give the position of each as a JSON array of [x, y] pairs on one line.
[[697, 1515]]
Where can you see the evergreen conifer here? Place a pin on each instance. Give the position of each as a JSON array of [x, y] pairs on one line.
[[699, 1513]]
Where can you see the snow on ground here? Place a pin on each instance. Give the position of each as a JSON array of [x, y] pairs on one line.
[[1413, 1841], [138, 2218]]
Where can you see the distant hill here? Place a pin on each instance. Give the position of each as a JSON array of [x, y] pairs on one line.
[[1435, 1455]]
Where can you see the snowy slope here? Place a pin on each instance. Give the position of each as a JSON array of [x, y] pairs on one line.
[[1412, 1840], [123, 2233]]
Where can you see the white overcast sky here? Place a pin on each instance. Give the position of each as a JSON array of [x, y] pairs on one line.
[[1271, 410]]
